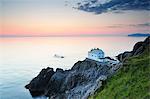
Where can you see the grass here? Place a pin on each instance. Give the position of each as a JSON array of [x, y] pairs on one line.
[[132, 81]]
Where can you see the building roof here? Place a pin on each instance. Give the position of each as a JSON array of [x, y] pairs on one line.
[[96, 51]]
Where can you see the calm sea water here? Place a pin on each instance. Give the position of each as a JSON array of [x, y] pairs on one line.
[[21, 59]]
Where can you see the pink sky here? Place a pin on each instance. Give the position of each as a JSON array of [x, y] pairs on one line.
[[25, 17]]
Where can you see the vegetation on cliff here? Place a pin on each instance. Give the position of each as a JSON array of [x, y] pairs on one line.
[[132, 81]]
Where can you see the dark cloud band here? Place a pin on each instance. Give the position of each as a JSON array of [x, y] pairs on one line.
[[113, 5], [130, 25]]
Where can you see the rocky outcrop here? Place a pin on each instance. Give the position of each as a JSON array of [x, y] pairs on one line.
[[38, 85], [138, 49], [82, 80]]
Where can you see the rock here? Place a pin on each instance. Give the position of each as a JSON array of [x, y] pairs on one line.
[[138, 49], [59, 70], [121, 57], [84, 65], [55, 83], [102, 78], [79, 82], [39, 83]]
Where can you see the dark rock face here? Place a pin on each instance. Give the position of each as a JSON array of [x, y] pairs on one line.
[[83, 79], [39, 83], [138, 49]]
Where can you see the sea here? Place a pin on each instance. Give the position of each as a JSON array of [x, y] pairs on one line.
[[22, 58]]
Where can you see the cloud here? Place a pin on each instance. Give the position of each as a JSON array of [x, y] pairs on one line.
[[102, 6], [143, 25], [130, 25]]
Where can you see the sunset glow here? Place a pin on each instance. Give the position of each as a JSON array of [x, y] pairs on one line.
[[52, 17]]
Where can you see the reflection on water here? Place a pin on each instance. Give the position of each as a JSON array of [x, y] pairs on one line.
[[21, 59]]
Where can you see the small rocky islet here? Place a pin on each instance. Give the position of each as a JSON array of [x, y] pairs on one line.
[[83, 79]]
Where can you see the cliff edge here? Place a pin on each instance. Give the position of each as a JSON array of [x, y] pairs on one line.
[[81, 81]]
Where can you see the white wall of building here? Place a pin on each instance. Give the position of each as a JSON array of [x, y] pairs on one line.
[[96, 55]]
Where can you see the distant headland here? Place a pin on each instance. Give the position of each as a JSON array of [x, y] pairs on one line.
[[139, 34]]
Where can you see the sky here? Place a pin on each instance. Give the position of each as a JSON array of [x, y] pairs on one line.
[[72, 17]]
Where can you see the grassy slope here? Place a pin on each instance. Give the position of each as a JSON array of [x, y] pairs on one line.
[[132, 81]]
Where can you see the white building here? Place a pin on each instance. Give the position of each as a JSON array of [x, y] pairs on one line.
[[96, 54]]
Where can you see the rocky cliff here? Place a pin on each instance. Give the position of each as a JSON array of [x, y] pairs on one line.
[[82, 80], [138, 49]]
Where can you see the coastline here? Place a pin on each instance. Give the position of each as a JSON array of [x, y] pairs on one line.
[[86, 75]]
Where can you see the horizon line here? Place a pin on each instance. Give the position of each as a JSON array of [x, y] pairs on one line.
[[81, 35]]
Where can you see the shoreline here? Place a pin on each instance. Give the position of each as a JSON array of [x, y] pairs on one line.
[[87, 75]]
